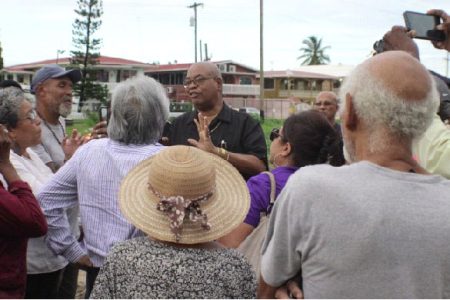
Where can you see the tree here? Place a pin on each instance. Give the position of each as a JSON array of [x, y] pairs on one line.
[[87, 50], [1, 57], [313, 53]]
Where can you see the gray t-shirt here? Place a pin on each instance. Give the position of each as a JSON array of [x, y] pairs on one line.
[[361, 231], [50, 148]]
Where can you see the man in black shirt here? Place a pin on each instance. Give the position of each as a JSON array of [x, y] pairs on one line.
[[216, 128]]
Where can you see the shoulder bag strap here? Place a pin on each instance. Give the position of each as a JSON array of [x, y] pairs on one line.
[[272, 187]]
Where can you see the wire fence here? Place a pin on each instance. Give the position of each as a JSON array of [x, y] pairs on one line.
[[273, 108]]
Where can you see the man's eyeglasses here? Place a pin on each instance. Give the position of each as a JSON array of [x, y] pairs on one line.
[[196, 81], [275, 133], [324, 103]]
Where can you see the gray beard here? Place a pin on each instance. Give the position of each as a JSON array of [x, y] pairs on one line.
[[64, 111]]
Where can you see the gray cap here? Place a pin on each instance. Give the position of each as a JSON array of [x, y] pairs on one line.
[[53, 71]]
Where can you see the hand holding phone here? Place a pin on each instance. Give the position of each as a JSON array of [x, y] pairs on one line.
[[103, 113], [424, 26], [444, 26]]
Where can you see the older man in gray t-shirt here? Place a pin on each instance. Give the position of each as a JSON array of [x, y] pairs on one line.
[[379, 228], [386, 236]]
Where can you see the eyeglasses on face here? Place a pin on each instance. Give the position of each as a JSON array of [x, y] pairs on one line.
[[275, 133], [196, 81], [324, 103], [32, 116]]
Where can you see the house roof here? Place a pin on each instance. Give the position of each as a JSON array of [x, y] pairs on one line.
[[295, 74], [185, 67], [338, 70], [102, 60]]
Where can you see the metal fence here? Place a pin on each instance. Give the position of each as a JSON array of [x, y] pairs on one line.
[[273, 108]]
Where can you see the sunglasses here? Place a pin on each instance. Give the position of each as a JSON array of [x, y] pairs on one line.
[[275, 133]]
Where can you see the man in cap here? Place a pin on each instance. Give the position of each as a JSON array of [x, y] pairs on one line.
[[377, 228], [52, 86]]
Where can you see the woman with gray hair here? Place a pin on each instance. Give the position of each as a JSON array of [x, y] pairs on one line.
[[91, 179], [23, 124]]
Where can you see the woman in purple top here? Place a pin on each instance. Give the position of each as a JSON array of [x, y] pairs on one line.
[[306, 138]]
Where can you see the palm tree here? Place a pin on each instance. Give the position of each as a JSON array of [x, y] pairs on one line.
[[313, 53]]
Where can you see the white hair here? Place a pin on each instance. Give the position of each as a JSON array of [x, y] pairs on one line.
[[139, 111], [380, 108]]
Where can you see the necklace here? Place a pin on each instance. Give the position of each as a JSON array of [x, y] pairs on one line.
[[215, 127], [51, 130]]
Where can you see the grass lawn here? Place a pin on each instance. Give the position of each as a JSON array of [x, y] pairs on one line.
[[85, 126]]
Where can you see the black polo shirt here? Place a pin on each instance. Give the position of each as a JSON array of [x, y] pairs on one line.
[[235, 131]]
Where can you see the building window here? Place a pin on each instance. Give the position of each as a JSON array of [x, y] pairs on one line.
[[127, 74], [102, 76], [245, 80], [269, 83]]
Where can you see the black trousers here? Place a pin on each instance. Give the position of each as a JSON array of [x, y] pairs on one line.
[[69, 282], [91, 275], [44, 285]]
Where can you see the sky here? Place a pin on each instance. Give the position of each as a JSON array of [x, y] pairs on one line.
[[159, 30]]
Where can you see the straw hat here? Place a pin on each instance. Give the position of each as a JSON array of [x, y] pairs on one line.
[[191, 174]]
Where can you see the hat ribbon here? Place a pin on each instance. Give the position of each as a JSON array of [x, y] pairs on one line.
[[177, 207]]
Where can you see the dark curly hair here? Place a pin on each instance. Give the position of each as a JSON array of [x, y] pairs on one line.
[[313, 140]]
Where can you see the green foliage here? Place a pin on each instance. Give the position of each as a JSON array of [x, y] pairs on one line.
[[1, 57], [313, 53], [86, 54], [267, 127]]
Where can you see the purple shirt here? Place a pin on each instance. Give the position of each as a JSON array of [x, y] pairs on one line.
[[259, 187]]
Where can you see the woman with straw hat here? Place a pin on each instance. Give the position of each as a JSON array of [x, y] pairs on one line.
[[183, 199]]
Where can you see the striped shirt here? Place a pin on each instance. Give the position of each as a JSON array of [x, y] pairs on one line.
[[91, 178]]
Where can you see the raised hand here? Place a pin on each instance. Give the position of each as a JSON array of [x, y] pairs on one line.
[[204, 141], [70, 144], [444, 26]]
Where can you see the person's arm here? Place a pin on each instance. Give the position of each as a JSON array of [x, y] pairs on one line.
[[280, 258], [432, 149], [55, 197], [259, 188], [245, 163], [444, 26], [265, 290], [20, 214], [237, 236]]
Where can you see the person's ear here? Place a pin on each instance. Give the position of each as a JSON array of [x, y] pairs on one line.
[[349, 117], [286, 149], [219, 82], [12, 134]]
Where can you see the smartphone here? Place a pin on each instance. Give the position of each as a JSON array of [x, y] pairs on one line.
[[424, 25], [103, 113]]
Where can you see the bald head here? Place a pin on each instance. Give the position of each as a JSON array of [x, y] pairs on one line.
[[393, 91], [207, 68], [401, 74], [326, 103]]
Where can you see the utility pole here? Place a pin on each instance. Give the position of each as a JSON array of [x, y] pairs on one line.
[[194, 6], [261, 58]]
